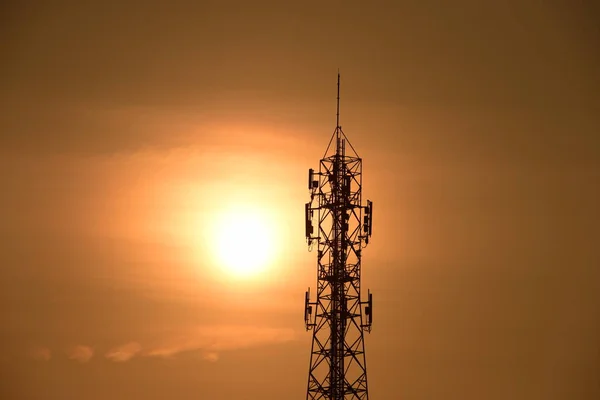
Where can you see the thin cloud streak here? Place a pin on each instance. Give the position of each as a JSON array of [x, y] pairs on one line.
[[80, 353], [211, 356], [214, 339], [124, 353]]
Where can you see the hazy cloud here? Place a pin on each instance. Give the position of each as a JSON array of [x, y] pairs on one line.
[[124, 353], [211, 356], [213, 339], [40, 353], [74, 129], [80, 353]]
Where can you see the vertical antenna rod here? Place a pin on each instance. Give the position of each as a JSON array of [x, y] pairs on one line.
[[338, 317], [337, 124]]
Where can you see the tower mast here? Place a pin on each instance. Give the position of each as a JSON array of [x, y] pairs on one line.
[[337, 115], [338, 317]]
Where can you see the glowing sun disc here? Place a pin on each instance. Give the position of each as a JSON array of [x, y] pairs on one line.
[[243, 242]]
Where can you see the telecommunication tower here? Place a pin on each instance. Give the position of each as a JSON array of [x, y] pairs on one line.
[[338, 317]]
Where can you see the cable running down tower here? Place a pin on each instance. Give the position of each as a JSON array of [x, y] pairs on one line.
[[338, 317]]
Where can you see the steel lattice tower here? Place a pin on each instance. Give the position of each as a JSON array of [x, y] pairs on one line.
[[338, 368]]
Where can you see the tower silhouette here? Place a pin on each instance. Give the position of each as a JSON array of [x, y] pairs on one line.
[[338, 317]]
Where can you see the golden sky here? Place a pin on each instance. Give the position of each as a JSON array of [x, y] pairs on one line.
[[131, 132]]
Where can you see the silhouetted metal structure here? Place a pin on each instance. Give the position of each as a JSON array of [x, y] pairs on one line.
[[338, 317]]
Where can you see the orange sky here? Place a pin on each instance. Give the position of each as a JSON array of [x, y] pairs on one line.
[[125, 128]]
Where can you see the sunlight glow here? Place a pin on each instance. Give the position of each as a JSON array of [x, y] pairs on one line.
[[244, 241]]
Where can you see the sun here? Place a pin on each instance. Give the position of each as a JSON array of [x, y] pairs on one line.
[[243, 241]]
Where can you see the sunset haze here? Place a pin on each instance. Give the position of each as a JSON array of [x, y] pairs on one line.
[[137, 137]]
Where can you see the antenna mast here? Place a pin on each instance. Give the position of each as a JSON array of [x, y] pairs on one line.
[[337, 123], [338, 317]]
